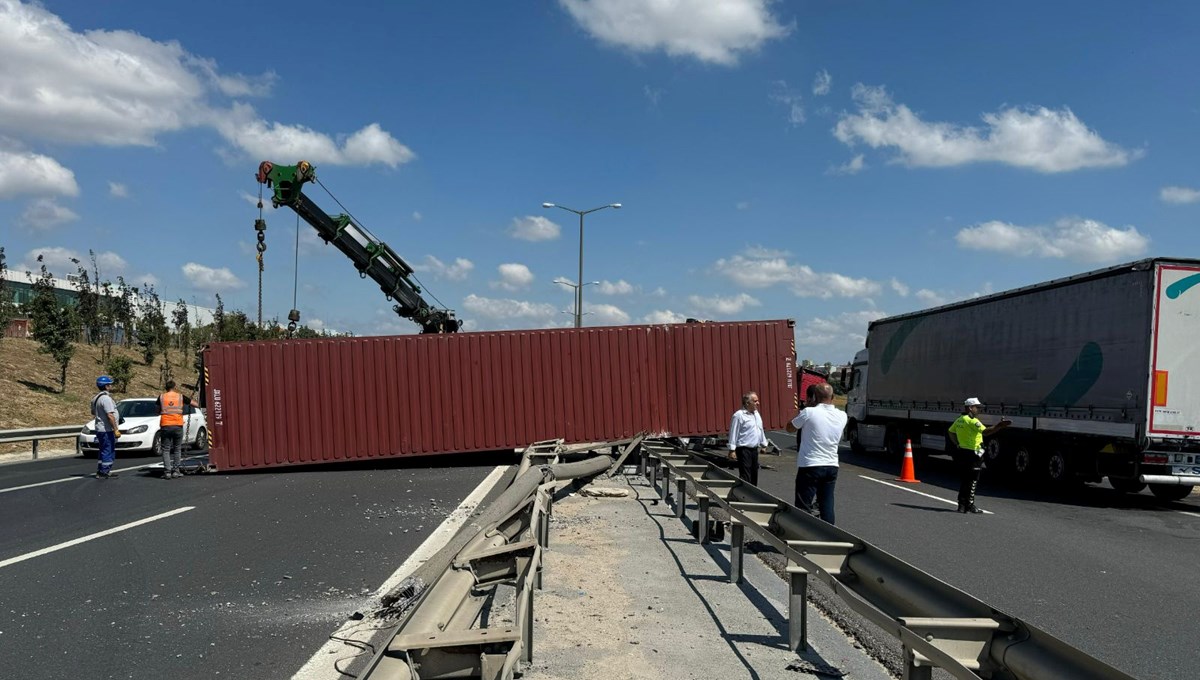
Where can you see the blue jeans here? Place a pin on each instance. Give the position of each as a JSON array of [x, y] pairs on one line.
[[108, 451], [814, 488]]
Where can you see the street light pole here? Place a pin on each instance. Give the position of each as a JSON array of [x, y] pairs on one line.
[[579, 288]]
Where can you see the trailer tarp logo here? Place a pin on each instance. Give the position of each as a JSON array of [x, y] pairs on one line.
[[1182, 285], [1080, 377], [896, 342]]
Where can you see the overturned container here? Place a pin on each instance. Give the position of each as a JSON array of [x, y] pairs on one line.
[[296, 402]]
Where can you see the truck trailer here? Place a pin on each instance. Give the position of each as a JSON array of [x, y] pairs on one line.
[[1099, 373]]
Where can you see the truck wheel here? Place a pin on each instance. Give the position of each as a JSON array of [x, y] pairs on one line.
[[993, 452], [852, 438], [895, 443], [1023, 461], [1170, 492], [1126, 485], [1058, 467]]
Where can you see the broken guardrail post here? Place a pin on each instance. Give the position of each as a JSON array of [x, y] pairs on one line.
[[641, 465], [681, 501], [666, 484], [913, 670], [737, 547], [653, 473], [797, 608], [702, 502]]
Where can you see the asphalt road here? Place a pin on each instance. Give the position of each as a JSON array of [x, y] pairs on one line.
[[248, 582], [1113, 574]]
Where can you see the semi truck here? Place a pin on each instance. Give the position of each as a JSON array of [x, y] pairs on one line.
[[1099, 374]]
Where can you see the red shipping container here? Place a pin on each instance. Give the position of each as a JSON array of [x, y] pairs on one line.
[[296, 402]]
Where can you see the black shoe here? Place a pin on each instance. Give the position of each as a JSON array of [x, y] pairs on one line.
[[962, 508], [973, 510]]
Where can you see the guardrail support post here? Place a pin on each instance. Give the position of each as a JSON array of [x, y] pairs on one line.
[[666, 484], [911, 670], [681, 501], [737, 536], [702, 501], [527, 628], [653, 473], [797, 608], [641, 467], [35, 448]]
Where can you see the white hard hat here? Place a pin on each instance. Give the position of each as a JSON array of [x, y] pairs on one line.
[[972, 402]]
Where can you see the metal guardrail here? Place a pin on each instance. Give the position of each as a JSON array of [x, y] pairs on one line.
[[36, 434], [450, 628], [938, 625]]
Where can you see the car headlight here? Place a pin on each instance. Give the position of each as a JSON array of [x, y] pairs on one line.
[[87, 430], [135, 430]]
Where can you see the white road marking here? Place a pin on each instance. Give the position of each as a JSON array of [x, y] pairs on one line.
[[73, 479], [92, 537], [321, 665], [919, 493], [1189, 514]]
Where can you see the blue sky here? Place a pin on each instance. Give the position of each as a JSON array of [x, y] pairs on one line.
[[830, 162]]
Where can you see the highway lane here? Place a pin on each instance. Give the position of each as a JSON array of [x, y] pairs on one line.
[[248, 583], [1113, 574]]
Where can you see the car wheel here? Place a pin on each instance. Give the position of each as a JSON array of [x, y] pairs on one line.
[[154, 450], [201, 440], [1170, 492]]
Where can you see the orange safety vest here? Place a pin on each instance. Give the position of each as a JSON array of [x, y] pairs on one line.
[[172, 410]]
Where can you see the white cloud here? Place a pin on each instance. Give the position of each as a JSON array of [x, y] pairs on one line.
[[31, 173], [664, 316], [822, 83], [836, 337], [653, 95], [743, 205], [534, 228], [1070, 238], [144, 280], [659, 292], [513, 277], [792, 100], [722, 306], [416, 216], [900, 288], [620, 287], [459, 271], [605, 315], [763, 269], [118, 190], [119, 88], [253, 200], [258, 138], [499, 308], [712, 31], [851, 167], [44, 214], [211, 279], [1179, 195], [931, 298], [1037, 138], [60, 262]]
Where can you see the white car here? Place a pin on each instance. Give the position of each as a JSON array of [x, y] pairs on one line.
[[139, 428]]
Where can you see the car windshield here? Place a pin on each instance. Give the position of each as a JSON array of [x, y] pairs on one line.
[[137, 409]]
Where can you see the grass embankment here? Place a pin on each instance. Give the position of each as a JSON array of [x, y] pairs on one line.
[[29, 395]]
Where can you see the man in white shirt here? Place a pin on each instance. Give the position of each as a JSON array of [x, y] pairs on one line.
[[821, 425], [746, 437]]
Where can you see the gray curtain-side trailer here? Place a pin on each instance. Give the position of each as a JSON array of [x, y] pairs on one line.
[[1100, 374]]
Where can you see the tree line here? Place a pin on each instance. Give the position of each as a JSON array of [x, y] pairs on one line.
[[108, 314]]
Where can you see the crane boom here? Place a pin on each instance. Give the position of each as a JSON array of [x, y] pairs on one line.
[[371, 257]]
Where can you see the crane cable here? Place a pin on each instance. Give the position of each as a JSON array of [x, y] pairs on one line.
[[360, 224], [294, 315], [260, 228]]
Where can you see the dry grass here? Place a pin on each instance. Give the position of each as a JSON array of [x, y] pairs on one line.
[[29, 383]]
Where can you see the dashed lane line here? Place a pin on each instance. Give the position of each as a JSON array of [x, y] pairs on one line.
[[92, 537], [919, 493]]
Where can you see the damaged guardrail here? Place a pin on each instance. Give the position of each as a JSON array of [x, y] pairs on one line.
[[938, 625], [455, 627]]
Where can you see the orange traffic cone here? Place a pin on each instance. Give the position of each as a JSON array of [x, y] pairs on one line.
[[907, 473]]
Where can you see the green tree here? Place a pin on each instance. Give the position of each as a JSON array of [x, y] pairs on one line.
[[120, 369], [55, 325], [125, 305], [88, 306], [153, 337], [218, 322], [106, 320], [183, 327], [8, 310]]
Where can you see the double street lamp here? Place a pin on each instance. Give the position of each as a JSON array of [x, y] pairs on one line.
[[579, 287]]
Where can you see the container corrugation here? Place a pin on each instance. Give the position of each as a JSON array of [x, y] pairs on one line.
[[295, 402]]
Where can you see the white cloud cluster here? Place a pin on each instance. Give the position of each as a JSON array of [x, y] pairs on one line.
[[898, 286], [458, 271], [664, 316], [1036, 138], [118, 190], [23, 172], [62, 261], [791, 99], [1179, 195], [513, 277], [711, 31], [847, 331], [763, 269], [534, 228], [722, 306], [211, 279], [44, 214], [851, 167], [258, 138], [1072, 238], [620, 287], [500, 308], [822, 82], [605, 315]]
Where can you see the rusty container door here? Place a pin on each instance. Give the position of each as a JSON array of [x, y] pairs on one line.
[[337, 399]]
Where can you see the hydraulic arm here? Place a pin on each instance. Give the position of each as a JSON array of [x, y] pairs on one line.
[[371, 257]]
